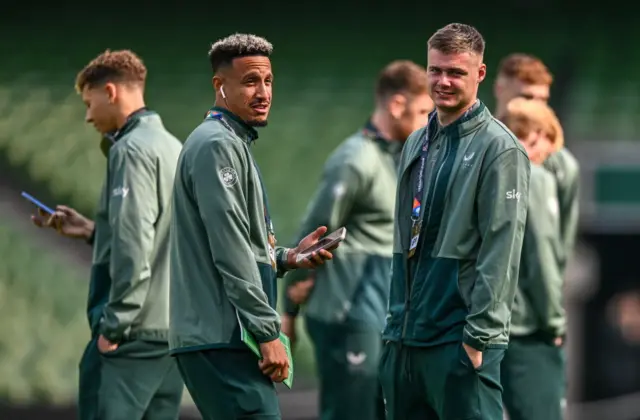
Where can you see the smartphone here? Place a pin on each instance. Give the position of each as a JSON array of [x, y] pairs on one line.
[[326, 242], [38, 203]]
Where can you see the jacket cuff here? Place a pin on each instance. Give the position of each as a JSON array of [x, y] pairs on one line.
[[291, 308], [471, 341], [281, 261], [110, 334], [92, 237], [268, 338]]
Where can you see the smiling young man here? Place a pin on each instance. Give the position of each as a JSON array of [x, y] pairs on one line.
[[345, 312], [224, 258], [460, 213], [532, 371], [126, 371]]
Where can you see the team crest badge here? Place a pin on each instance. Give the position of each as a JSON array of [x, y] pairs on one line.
[[228, 176]]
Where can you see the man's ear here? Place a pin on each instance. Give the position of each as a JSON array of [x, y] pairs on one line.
[[396, 105], [217, 81], [482, 72], [112, 92]]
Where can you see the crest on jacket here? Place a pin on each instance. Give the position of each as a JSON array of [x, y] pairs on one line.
[[228, 176]]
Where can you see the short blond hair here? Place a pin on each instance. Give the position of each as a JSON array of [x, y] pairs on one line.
[[522, 116], [122, 66], [526, 68], [456, 38]]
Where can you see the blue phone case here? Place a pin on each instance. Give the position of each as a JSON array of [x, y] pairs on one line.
[[37, 203]]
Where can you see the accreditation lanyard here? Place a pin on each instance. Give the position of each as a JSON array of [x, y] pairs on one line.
[[271, 237], [416, 213]]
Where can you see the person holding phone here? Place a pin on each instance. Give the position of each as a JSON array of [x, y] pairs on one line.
[[126, 371], [347, 300], [224, 256]]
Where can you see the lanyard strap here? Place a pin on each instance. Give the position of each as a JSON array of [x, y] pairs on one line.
[[419, 182]]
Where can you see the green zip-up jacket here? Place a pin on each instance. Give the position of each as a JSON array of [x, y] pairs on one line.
[[357, 191], [566, 170], [460, 284], [221, 260], [538, 306], [129, 289]]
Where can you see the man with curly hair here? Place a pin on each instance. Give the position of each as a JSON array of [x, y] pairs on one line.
[[224, 258], [126, 371]]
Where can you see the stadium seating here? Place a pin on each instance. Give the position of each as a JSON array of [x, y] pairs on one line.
[[44, 328]]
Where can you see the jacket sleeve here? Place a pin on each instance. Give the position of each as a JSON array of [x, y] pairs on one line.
[[569, 200], [544, 288], [330, 206], [220, 177], [282, 267], [133, 211], [501, 200]]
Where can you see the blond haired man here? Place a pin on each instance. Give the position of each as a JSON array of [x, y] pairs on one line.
[[532, 371], [526, 76]]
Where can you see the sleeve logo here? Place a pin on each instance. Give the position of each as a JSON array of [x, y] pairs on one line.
[[120, 191], [513, 195], [228, 176]]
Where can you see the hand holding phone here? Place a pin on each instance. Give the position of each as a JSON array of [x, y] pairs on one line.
[[38, 204], [327, 243], [65, 220]]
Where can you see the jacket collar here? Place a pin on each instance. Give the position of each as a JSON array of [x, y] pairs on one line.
[[109, 139], [468, 122], [233, 122], [390, 146]]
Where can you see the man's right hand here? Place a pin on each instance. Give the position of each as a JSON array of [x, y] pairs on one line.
[[66, 221], [274, 363], [299, 292]]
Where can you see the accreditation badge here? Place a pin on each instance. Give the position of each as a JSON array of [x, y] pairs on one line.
[[415, 236], [271, 239]]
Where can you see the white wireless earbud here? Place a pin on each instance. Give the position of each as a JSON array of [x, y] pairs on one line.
[[222, 92]]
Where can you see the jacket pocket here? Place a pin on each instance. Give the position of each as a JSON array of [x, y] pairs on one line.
[[99, 289]]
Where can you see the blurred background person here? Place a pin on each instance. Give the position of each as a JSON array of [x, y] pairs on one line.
[[532, 371], [525, 76], [347, 299]]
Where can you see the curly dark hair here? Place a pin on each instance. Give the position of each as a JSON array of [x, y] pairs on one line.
[[122, 66], [223, 51]]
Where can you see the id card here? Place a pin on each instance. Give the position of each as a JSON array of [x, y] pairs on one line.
[[415, 235], [272, 250]]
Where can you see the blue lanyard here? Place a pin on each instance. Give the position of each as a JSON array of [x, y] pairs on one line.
[[419, 184]]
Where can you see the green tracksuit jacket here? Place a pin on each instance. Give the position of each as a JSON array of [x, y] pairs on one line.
[[129, 289], [357, 191], [461, 282], [223, 268], [566, 170], [538, 302]]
